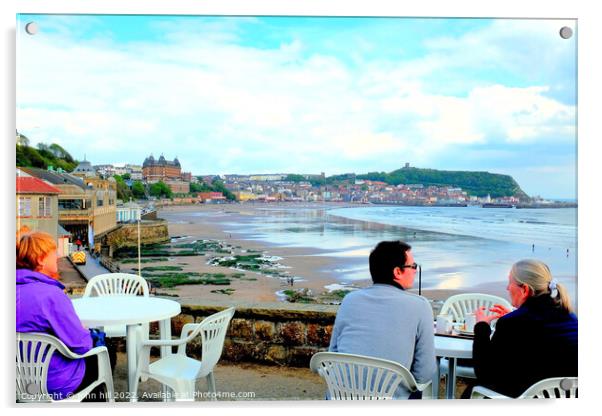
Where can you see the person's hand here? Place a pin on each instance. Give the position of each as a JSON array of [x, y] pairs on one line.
[[497, 311]]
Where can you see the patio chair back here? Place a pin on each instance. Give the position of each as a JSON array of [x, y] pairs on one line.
[[358, 377], [213, 333], [113, 284], [553, 388], [550, 388], [460, 305], [33, 354]]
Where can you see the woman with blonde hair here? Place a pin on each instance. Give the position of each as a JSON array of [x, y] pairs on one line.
[[537, 340], [42, 306]]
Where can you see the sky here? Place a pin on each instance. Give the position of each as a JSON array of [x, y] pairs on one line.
[[306, 94]]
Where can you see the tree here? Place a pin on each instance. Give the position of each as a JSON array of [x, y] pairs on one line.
[[22, 140], [200, 187], [218, 186], [160, 189], [138, 190], [123, 191], [126, 176]]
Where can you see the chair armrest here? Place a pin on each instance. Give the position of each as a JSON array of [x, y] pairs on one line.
[[163, 342], [422, 386], [480, 392], [94, 351]]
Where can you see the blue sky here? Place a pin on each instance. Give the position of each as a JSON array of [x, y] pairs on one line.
[[306, 95]]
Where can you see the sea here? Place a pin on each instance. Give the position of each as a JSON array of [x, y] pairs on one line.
[[458, 248]]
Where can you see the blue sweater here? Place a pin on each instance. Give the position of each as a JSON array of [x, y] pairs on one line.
[[386, 322]]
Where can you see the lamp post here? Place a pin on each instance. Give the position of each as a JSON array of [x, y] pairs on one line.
[[139, 268]]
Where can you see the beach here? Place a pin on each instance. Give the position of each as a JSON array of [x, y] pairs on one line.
[[316, 269]]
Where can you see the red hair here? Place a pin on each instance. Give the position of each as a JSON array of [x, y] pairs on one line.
[[32, 247]]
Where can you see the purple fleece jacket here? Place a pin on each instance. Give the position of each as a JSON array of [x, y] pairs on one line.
[[42, 306]]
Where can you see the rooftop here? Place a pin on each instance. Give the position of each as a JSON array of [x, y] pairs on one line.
[[31, 185]]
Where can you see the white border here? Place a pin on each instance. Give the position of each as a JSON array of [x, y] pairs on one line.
[[589, 134]]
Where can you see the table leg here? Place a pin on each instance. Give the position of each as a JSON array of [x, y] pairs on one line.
[[451, 379], [437, 379], [165, 333], [130, 345]]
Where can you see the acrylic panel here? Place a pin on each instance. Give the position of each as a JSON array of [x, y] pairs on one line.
[[256, 161]]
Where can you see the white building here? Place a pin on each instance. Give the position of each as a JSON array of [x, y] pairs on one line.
[[129, 212]]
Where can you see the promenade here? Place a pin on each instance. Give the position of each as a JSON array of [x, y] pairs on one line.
[[264, 382]]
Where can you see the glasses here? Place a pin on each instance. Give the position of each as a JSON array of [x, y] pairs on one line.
[[410, 266]]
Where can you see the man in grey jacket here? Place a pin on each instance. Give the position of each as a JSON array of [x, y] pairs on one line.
[[384, 320]]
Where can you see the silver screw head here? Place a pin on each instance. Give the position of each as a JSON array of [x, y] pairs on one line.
[[566, 384], [32, 28], [566, 32]]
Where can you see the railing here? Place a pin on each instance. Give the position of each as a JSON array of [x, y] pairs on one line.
[[109, 264]]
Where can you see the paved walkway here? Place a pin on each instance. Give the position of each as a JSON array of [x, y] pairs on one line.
[[91, 268], [235, 381]]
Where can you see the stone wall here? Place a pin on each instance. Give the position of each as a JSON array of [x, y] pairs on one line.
[[151, 232], [269, 333]]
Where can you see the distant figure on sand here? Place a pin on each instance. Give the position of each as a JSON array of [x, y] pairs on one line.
[[567, 252], [384, 320], [532, 247]]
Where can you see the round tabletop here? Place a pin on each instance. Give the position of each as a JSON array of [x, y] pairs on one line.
[[124, 310], [453, 347]]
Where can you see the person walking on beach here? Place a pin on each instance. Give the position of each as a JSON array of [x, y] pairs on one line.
[[386, 321]]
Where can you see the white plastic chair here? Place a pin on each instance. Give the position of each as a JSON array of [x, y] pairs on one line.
[[460, 305], [358, 377], [117, 284], [178, 371], [33, 354], [550, 388]]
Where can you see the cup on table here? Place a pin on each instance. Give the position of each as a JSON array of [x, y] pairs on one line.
[[470, 319], [444, 324]]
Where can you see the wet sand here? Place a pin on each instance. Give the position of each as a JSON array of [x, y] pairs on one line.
[[213, 222]]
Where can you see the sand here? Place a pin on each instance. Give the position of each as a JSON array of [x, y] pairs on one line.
[[214, 223]]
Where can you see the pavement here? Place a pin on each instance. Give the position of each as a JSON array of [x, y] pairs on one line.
[[91, 268], [246, 382]]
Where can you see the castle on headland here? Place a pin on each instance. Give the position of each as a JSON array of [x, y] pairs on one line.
[[169, 172]]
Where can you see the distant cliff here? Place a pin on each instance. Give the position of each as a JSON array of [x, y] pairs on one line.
[[475, 183]]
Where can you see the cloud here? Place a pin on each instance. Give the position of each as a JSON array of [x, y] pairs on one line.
[[208, 92]]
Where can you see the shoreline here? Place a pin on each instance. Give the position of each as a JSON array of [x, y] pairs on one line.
[[312, 265]]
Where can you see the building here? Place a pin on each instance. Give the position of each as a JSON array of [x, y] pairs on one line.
[[37, 205], [168, 172], [86, 203], [129, 212], [211, 197], [161, 169], [135, 172]]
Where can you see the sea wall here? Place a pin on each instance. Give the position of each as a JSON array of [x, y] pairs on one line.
[[269, 333], [151, 232]]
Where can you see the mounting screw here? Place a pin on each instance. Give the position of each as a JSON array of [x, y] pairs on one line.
[[566, 384], [566, 32], [31, 28]]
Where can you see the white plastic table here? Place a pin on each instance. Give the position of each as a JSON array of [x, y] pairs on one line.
[[451, 348], [130, 311]]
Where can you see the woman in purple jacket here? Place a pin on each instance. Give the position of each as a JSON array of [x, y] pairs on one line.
[[42, 306]]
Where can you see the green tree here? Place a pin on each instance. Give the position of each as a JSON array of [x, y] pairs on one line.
[[138, 190], [160, 190], [123, 191], [293, 177], [218, 186]]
